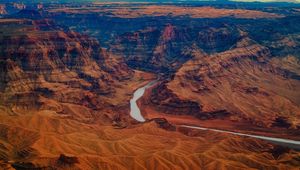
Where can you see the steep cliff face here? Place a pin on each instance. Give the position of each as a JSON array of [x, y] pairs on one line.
[[38, 60], [240, 84], [164, 49]]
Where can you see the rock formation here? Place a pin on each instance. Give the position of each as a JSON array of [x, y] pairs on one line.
[[41, 62], [65, 97], [240, 84]]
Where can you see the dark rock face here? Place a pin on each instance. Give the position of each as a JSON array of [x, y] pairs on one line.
[[282, 122], [167, 102], [67, 160], [62, 162], [279, 150], [164, 124], [27, 166]]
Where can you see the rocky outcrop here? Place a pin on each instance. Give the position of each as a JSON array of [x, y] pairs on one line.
[[67, 160], [42, 61], [166, 101], [164, 49], [164, 124], [2, 9], [240, 84]]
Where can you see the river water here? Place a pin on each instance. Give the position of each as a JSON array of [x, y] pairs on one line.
[[135, 113], [286, 142]]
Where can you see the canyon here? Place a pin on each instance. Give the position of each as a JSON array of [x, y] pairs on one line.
[[149, 86], [137, 115]]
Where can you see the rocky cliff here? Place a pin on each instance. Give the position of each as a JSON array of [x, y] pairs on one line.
[[241, 84], [164, 49], [40, 61]]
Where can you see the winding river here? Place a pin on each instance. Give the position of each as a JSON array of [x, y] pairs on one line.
[[135, 113]]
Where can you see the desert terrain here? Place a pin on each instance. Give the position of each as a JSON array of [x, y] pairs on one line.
[[69, 70]]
